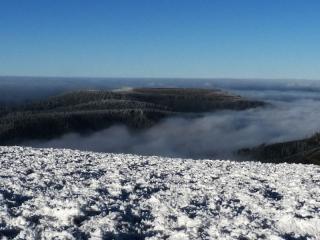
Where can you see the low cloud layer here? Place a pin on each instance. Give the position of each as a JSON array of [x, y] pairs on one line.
[[293, 115]]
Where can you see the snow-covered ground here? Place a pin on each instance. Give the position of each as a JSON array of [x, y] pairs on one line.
[[65, 194]]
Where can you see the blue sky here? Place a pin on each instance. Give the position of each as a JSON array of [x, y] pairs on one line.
[[161, 38]]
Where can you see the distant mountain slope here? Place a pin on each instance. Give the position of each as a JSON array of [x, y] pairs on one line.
[[85, 111], [299, 151], [65, 194]]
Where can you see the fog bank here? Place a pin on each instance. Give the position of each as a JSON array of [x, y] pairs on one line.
[[293, 114], [212, 135]]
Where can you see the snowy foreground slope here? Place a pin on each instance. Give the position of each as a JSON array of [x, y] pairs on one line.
[[65, 194]]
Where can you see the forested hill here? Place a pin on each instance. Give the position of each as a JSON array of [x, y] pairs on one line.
[[305, 151], [85, 111]]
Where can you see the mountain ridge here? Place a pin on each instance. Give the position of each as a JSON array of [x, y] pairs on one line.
[[86, 111]]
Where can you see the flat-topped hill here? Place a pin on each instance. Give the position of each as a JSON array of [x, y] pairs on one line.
[[86, 111]]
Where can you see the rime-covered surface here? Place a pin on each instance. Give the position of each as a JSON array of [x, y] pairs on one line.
[[65, 194]]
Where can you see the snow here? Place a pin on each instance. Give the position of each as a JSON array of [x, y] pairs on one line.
[[68, 194]]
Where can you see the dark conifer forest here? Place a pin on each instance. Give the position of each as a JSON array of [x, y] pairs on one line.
[[87, 111]]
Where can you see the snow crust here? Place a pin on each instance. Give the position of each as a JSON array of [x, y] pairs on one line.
[[67, 194]]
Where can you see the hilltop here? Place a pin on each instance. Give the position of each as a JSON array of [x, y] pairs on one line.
[[65, 194], [87, 111]]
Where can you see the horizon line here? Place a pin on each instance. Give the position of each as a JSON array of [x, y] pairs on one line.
[[176, 78]]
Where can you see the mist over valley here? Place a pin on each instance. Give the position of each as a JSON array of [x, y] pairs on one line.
[[290, 112]]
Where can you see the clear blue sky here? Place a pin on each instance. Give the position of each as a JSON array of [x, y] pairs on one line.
[[161, 38]]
